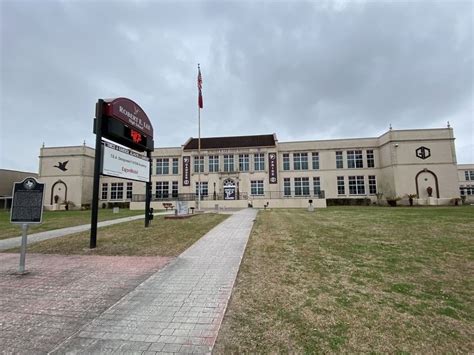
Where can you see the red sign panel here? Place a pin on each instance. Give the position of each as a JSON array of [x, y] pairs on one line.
[[272, 163], [130, 113], [136, 136], [186, 171]]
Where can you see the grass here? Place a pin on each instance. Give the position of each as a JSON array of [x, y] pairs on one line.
[[355, 280], [165, 237], [59, 219]]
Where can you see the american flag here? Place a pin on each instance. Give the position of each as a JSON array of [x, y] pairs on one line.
[[199, 82]]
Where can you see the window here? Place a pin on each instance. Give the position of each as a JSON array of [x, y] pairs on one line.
[[316, 185], [370, 159], [243, 162], [354, 159], [339, 161], [341, 190], [175, 166], [315, 159], [199, 164], [356, 185], [286, 187], [228, 162], [213, 163], [204, 188], [105, 190], [161, 190], [286, 161], [116, 191], [372, 185], [162, 166], [174, 189], [300, 161], [256, 187], [467, 191], [259, 161], [302, 186], [469, 175], [129, 189]]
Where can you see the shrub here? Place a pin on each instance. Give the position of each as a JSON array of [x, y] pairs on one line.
[[348, 201]]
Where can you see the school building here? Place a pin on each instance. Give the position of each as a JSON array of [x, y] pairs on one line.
[[259, 170]]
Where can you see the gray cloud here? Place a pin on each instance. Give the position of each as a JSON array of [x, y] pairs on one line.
[[305, 70]]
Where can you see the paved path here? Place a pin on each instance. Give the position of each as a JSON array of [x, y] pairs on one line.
[[180, 308], [61, 294], [38, 237]]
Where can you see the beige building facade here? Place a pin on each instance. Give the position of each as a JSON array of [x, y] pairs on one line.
[[466, 181], [7, 181], [67, 173], [261, 171]]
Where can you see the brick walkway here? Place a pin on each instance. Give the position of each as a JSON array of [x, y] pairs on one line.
[[40, 310], [178, 309]]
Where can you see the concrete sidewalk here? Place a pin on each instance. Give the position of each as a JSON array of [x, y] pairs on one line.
[[38, 237], [180, 308]]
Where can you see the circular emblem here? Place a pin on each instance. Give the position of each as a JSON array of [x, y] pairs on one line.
[[272, 179], [29, 184]]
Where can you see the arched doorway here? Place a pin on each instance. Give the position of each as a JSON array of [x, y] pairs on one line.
[[424, 179], [59, 189], [229, 189]]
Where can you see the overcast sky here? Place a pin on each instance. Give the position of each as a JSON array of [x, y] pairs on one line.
[[302, 70]]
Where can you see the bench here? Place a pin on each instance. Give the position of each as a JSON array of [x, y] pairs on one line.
[[168, 205]]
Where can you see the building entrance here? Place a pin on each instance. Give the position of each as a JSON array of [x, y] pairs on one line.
[[229, 189]]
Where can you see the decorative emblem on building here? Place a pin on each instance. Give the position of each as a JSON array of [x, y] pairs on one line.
[[186, 171], [61, 166], [423, 153], [272, 163]]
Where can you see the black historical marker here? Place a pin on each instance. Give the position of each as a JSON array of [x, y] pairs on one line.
[[27, 205]]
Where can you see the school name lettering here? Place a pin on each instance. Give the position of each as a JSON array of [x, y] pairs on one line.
[[134, 119]]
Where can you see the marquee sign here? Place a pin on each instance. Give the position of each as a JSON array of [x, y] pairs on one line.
[[129, 113], [123, 163], [272, 163], [122, 121], [186, 171]]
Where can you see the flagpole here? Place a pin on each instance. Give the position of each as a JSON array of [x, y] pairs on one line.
[[199, 153], [199, 157]]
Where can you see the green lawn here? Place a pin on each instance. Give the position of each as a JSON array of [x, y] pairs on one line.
[[59, 219], [165, 237], [354, 280]]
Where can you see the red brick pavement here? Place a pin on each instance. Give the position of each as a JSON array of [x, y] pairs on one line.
[[40, 310]]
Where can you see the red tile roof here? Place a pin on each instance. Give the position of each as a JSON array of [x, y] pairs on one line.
[[266, 140]]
